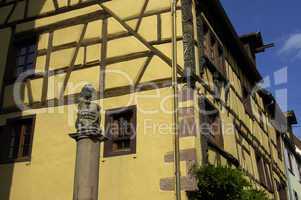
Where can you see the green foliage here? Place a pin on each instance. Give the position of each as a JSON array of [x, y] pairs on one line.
[[252, 194], [223, 183]]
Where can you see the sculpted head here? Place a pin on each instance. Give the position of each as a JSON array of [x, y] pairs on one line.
[[87, 92]]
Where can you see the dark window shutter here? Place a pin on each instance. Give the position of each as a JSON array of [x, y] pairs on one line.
[[133, 131], [108, 144]]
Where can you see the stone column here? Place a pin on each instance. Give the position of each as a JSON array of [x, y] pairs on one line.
[[88, 138]]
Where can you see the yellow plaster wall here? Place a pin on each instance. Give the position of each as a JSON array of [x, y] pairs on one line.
[[82, 77], [67, 35], [157, 69], [51, 169], [147, 165], [5, 10], [18, 13], [123, 73], [55, 84], [124, 46], [63, 58], [55, 18]]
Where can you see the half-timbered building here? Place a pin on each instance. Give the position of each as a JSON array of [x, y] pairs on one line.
[[51, 48]]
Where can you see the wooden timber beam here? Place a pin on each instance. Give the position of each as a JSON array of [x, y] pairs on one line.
[[72, 63], [47, 63], [142, 70], [103, 56], [156, 51], [47, 14], [56, 4], [109, 93], [141, 15]]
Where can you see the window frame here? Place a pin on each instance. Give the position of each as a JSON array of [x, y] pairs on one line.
[[108, 151], [216, 50], [18, 157], [264, 172], [279, 145], [12, 65], [247, 100], [217, 139]]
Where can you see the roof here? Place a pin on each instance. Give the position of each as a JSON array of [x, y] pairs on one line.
[[254, 39]]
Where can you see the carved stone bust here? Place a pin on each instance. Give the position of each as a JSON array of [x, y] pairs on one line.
[[88, 116]]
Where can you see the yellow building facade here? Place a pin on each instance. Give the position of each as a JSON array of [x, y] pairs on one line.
[[51, 48]]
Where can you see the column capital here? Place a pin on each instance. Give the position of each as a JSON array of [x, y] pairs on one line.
[[94, 135]]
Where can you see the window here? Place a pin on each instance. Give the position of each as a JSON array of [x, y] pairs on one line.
[[121, 131], [279, 147], [247, 101], [211, 123], [213, 49], [22, 57], [26, 53], [16, 140], [260, 168], [264, 172]]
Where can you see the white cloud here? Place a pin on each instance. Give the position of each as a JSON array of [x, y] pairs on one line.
[[292, 46]]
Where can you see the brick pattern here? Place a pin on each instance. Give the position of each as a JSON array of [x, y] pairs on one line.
[[188, 182], [187, 126]]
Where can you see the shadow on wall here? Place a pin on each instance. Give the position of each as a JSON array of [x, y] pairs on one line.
[[13, 14], [6, 175]]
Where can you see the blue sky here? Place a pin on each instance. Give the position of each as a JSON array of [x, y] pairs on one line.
[[279, 22]]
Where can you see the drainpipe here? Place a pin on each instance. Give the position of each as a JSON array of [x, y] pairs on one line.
[[175, 104]]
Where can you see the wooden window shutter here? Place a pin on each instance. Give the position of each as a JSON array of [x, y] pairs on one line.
[[108, 144]]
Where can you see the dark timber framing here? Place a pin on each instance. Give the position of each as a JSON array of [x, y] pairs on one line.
[[103, 57], [188, 41], [157, 52], [47, 14], [112, 92], [142, 70], [56, 4], [68, 22], [141, 15], [46, 76], [159, 27], [72, 63]]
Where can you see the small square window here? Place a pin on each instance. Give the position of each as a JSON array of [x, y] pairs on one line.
[[25, 55], [121, 130], [16, 140]]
